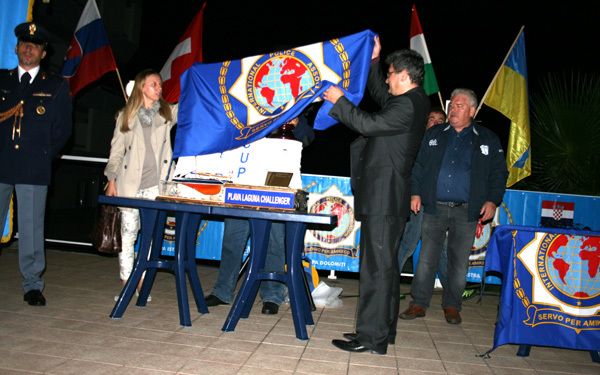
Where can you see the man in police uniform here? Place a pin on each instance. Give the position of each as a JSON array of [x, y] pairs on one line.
[[35, 123]]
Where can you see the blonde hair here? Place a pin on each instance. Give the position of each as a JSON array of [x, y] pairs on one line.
[[136, 100]]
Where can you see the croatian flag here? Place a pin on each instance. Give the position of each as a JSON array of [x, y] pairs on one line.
[[89, 56], [229, 104], [557, 214], [186, 52]]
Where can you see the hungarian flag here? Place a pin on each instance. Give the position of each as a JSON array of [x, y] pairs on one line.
[[186, 52], [417, 42]]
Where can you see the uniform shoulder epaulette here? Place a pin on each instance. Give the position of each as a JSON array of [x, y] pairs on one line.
[[8, 72]]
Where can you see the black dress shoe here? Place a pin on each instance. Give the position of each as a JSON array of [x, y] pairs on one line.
[[35, 298], [353, 336], [270, 308], [354, 347], [212, 300]]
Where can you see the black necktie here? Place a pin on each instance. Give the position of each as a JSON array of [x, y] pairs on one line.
[[25, 78]]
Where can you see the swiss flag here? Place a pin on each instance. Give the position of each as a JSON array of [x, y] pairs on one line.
[[186, 52]]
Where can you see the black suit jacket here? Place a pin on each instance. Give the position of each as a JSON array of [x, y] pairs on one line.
[[382, 158], [44, 129]]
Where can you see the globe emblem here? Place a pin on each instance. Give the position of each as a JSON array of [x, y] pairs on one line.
[[345, 219], [572, 264], [483, 233], [279, 80]]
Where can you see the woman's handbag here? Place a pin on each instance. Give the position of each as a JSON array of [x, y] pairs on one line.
[[107, 234]]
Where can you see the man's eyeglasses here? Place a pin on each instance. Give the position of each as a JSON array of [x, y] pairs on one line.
[[390, 72]]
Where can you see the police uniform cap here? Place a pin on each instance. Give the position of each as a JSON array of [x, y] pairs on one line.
[[31, 32]]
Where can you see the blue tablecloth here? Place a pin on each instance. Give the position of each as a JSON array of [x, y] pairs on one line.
[[550, 289]]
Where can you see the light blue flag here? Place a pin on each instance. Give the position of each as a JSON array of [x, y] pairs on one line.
[[12, 13], [229, 104]]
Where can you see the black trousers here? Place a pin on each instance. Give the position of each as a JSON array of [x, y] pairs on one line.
[[379, 284]]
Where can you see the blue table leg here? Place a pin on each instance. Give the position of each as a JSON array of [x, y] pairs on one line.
[[155, 251], [243, 302], [148, 221], [595, 356], [182, 220], [190, 263], [299, 303], [524, 350]]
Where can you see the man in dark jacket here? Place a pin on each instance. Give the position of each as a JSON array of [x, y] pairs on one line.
[[381, 162], [35, 123], [459, 178]]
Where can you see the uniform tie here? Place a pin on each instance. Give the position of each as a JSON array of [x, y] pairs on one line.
[[25, 78]]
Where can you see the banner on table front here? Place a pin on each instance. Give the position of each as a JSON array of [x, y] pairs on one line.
[[551, 292], [336, 249]]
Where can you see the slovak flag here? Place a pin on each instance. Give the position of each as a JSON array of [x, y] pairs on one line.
[[186, 52], [89, 56]]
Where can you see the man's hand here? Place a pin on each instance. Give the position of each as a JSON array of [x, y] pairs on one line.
[[293, 121], [415, 204], [488, 210], [332, 94], [376, 48]]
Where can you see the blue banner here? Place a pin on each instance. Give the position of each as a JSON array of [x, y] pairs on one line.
[[12, 13], [551, 288], [339, 248], [227, 105]]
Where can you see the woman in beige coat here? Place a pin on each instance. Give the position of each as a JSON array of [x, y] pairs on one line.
[[140, 155]]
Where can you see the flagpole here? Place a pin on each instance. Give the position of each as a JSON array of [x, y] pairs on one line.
[[121, 83], [441, 101], [498, 71]]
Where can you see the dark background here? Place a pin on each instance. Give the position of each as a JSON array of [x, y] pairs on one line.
[[467, 41]]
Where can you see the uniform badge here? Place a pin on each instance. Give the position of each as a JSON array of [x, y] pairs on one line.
[[40, 110]]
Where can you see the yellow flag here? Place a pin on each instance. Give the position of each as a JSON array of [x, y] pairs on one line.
[[508, 95]]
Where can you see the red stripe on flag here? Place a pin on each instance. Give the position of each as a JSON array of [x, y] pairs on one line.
[[93, 65], [415, 24], [567, 206], [171, 86]]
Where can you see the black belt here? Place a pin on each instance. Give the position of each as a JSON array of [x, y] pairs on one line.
[[452, 204]]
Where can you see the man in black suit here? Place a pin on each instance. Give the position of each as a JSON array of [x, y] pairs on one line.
[[35, 123], [382, 159]]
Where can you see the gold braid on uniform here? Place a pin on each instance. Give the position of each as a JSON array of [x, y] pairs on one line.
[[17, 112]]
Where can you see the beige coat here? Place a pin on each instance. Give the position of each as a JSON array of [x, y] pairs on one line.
[[127, 151]]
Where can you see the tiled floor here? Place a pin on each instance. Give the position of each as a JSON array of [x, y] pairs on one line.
[[74, 335]]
